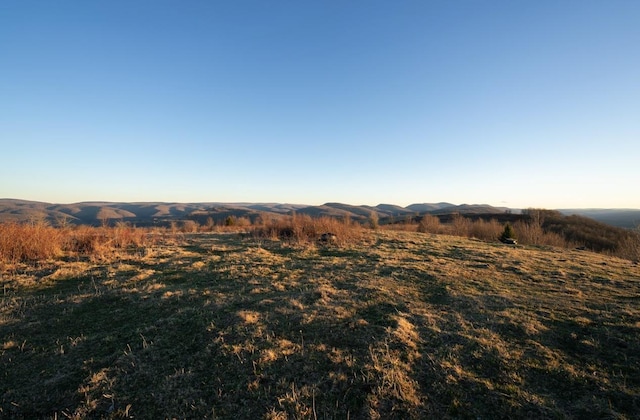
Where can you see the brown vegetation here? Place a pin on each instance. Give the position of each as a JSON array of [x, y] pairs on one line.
[[536, 227], [304, 229], [29, 242], [385, 325], [34, 241], [39, 241]]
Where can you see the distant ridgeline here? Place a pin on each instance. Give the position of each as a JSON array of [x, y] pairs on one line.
[[148, 214], [574, 228]]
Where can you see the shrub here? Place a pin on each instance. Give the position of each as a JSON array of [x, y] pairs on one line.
[[242, 222], [429, 224], [373, 220], [35, 242], [485, 230], [508, 233], [28, 242], [531, 233], [303, 229], [629, 247], [459, 225], [190, 226]]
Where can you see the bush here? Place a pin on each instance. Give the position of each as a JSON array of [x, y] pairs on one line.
[[303, 229], [485, 230], [508, 233], [29, 242], [374, 220], [190, 226], [429, 224], [459, 226], [36, 242]]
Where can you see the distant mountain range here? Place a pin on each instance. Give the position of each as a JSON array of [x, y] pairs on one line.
[[625, 218], [146, 214]]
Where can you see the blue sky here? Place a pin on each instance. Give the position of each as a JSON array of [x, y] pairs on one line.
[[510, 103]]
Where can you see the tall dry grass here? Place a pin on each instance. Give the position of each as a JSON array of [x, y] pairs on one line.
[[29, 242], [629, 246], [527, 232], [100, 241], [485, 230], [304, 229], [430, 224], [40, 241], [531, 233]]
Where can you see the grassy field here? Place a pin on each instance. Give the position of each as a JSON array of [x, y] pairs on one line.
[[392, 325]]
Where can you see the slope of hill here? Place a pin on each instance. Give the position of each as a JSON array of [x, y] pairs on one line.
[[92, 213], [625, 218], [95, 213], [393, 210], [22, 210], [394, 325], [470, 209], [276, 207], [145, 214], [428, 207]]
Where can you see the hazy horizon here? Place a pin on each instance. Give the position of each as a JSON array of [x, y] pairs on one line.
[[506, 103], [284, 203]]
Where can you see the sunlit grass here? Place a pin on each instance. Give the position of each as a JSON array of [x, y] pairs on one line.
[[386, 325]]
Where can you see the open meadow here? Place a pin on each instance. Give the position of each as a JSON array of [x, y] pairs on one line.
[[386, 324]]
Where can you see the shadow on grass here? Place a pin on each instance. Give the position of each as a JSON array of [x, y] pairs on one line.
[[489, 357], [175, 352], [248, 341]]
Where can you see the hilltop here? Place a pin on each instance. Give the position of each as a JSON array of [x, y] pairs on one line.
[[385, 325]]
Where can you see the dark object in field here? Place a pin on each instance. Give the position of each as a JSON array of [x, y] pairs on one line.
[[509, 241], [328, 238]]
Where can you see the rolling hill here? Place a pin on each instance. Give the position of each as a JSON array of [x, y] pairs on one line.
[[625, 218], [144, 214], [159, 213]]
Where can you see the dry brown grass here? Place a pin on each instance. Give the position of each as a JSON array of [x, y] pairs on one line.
[[527, 232], [29, 242], [551, 228], [306, 230], [39, 241], [391, 325]]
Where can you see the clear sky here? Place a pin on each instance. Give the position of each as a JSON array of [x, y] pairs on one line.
[[510, 103]]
